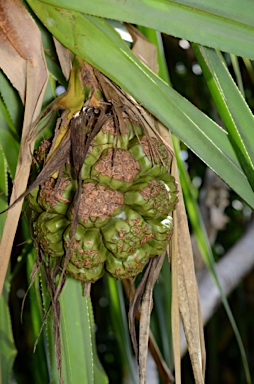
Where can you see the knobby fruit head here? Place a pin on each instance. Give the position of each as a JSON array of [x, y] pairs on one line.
[[125, 195]]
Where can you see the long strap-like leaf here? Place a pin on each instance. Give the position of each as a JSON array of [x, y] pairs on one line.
[[227, 25], [15, 33]]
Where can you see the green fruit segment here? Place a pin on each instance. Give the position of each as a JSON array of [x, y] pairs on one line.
[[162, 228], [55, 196], [136, 150], [84, 274], [152, 156], [171, 188], [107, 134], [49, 229], [92, 157], [150, 199], [119, 137], [108, 137], [97, 205], [116, 169], [162, 231], [132, 265], [32, 200], [87, 248], [126, 233]]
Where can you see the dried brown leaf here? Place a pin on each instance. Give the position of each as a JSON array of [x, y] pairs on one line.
[[162, 367], [143, 48], [16, 72], [17, 27], [175, 313], [145, 312], [185, 285], [188, 294], [64, 57], [174, 252]]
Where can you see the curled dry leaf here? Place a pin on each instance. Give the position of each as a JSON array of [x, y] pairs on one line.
[[162, 367], [184, 283], [145, 313], [143, 48], [16, 72], [188, 295], [65, 58], [23, 62]]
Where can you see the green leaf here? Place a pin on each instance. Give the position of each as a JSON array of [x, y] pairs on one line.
[[95, 41], [237, 70], [99, 373], [162, 312], [119, 324], [3, 189], [197, 224], [12, 101], [39, 360], [233, 109], [80, 361], [7, 347], [249, 67], [54, 377], [8, 139], [226, 25]]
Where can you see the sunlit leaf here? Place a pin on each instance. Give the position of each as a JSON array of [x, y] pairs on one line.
[[226, 25]]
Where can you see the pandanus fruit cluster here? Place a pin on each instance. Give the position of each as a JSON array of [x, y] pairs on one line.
[[106, 197]]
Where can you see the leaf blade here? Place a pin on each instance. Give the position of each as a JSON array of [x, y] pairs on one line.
[[231, 105], [8, 350], [8, 138], [227, 26], [118, 318], [3, 189], [197, 224], [77, 337], [30, 82]]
